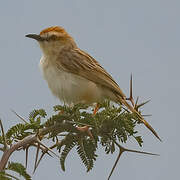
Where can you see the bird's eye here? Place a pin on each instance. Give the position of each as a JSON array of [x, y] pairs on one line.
[[46, 37], [53, 37]]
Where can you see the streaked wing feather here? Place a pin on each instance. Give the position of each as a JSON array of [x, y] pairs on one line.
[[80, 63]]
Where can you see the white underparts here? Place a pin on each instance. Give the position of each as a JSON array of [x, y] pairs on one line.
[[68, 87]]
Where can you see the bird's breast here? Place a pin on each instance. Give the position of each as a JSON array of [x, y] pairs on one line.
[[69, 87]]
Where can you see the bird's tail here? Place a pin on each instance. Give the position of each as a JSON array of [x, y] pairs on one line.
[[124, 102]]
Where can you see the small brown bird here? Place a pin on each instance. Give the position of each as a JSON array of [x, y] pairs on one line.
[[73, 75]]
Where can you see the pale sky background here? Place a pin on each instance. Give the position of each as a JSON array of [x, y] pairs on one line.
[[138, 36]]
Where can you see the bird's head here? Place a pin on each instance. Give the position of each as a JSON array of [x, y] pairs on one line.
[[53, 39]]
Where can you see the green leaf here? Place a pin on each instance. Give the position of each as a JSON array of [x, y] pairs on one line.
[[82, 155], [69, 143], [139, 140], [19, 131], [20, 169], [36, 115], [3, 176]]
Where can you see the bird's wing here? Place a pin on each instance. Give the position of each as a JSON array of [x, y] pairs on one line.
[[80, 63]]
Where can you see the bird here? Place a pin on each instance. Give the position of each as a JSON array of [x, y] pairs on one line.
[[74, 76]]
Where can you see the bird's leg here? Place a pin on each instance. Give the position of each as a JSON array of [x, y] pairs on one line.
[[96, 109], [131, 96]]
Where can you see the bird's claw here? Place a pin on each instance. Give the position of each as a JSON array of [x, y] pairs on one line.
[[85, 129]]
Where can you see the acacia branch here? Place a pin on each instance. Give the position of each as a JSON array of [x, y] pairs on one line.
[[108, 126], [7, 153], [31, 139], [121, 150], [3, 136]]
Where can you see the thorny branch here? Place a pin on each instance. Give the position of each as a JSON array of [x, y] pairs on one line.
[[121, 150], [35, 139], [26, 142]]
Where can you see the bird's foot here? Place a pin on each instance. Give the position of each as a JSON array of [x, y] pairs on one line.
[[86, 130]]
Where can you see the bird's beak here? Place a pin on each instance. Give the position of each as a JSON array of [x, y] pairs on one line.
[[35, 36]]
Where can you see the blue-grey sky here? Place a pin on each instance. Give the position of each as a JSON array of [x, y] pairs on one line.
[[142, 37]]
